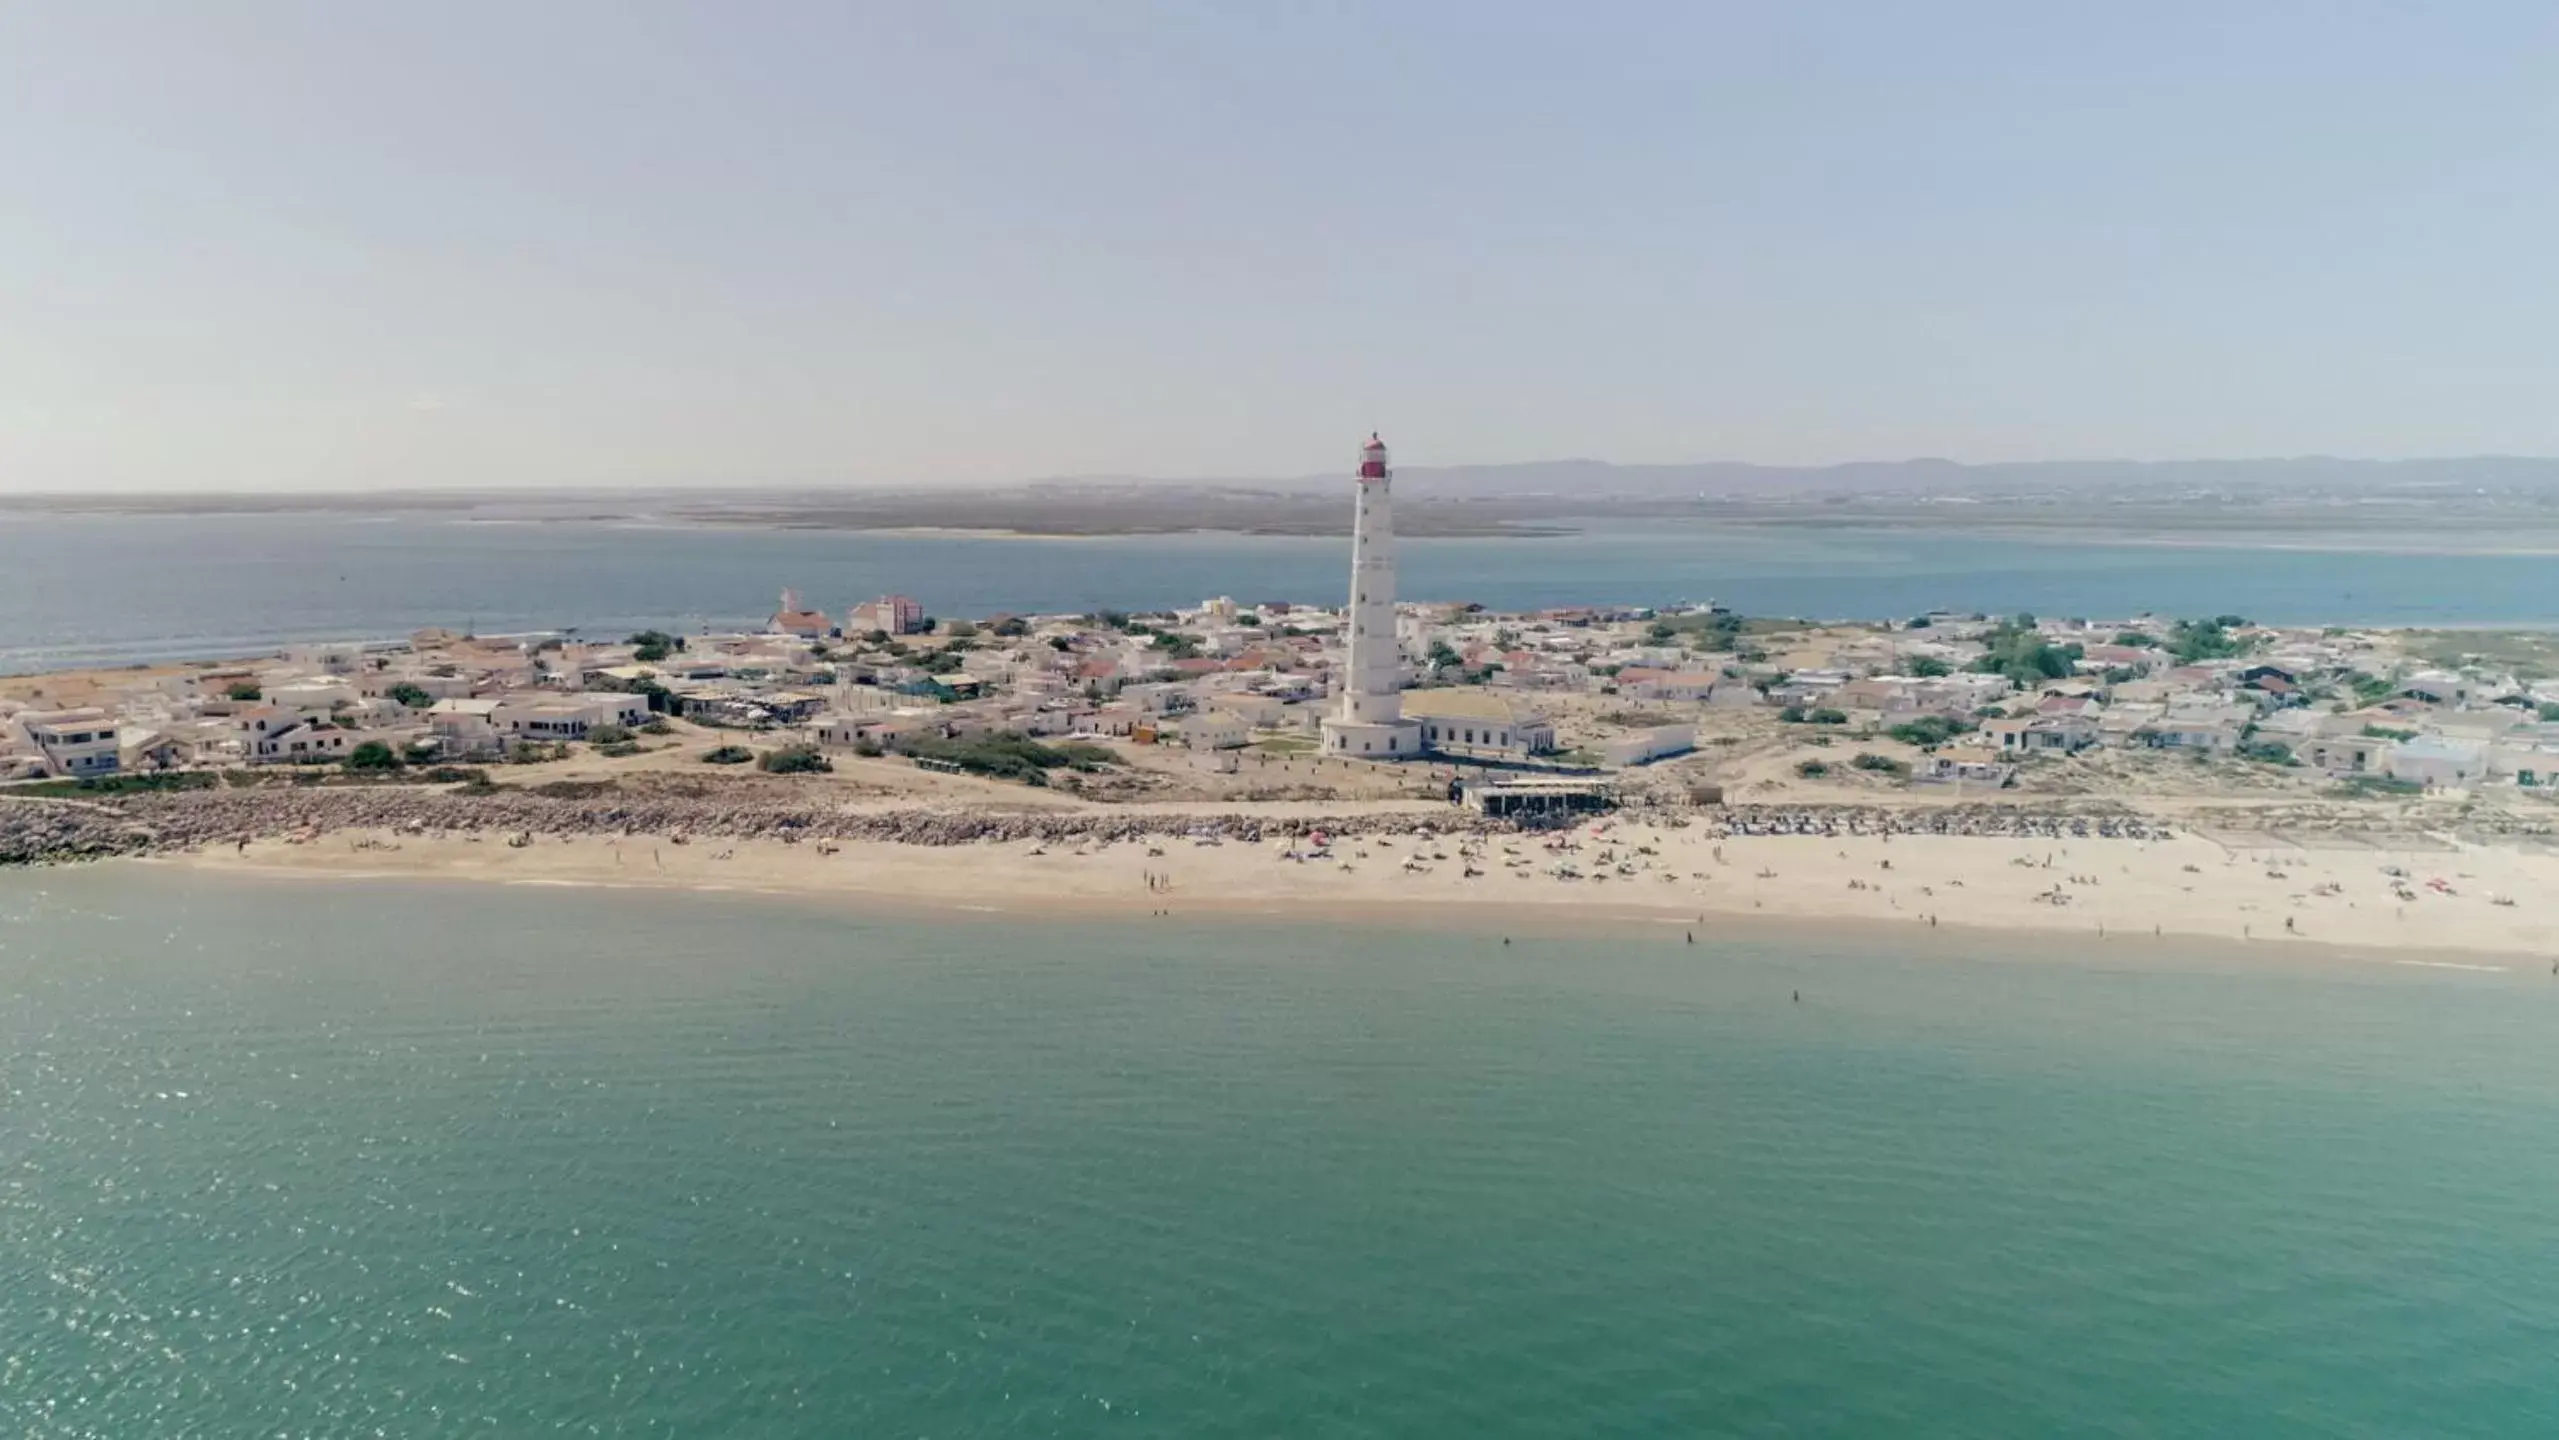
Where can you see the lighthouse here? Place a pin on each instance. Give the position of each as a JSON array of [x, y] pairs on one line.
[[1369, 720]]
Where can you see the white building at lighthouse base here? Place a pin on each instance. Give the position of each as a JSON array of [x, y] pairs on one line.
[[1373, 739]]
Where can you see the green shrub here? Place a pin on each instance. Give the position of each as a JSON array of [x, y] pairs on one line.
[[244, 691], [1006, 755], [1812, 769], [651, 646], [1929, 731], [793, 760], [728, 755], [1881, 764], [373, 755]]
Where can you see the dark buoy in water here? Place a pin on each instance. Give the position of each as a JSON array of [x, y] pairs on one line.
[[1799, 997]]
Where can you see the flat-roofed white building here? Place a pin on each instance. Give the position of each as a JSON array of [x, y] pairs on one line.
[[77, 744], [1478, 723], [567, 716]]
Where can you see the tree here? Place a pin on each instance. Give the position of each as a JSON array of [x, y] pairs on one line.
[[2024, 656], [1011, 627], [410, 695], [1919, 622], [2137, 638], [962, 629], [1250, 620], [2193, 640], [1060, 644], [651, 646], [1442, 657], [608, 735], [244, 691], [373, 755], [1882, 764], [1929, 667]]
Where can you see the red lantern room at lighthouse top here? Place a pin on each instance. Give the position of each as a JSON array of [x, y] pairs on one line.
[[1372, 460]]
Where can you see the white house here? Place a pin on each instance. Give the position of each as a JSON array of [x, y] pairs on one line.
[[568, 716], [1641, 746], [1213, 730], [2041, 734], [464, 727], [300, 743], [2210, 728], [1689, 686], [77, 744], [312, 698], [2434, 761]]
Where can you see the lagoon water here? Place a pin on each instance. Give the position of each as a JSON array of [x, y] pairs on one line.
[[82, 590], [357, 1158]]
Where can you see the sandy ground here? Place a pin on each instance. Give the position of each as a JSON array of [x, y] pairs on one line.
[[2078, 893]]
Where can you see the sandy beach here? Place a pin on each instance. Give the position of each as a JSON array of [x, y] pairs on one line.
[[2478, 900]]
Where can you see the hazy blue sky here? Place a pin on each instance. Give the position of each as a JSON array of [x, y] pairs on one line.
[[267, 245]]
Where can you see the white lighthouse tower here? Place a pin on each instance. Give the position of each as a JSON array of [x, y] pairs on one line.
[[1370, 718]]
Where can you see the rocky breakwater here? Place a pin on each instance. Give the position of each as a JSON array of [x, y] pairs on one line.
[[34, 831]]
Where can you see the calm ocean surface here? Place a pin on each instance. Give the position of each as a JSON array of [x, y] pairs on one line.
[[363, 1158], [100, 590]]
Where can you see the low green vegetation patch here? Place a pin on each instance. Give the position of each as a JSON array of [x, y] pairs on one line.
[[1007, 755], [793, 760], [2267, 752], [117, 785], [1929, 731], [1718, 632], [2193, 640], [2359, 787], [1812, 769], [2530, 654], [728, 755], [1880, 764]]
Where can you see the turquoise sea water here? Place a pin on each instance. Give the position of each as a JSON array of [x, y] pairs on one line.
[[81, 590], [355, 1159]]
